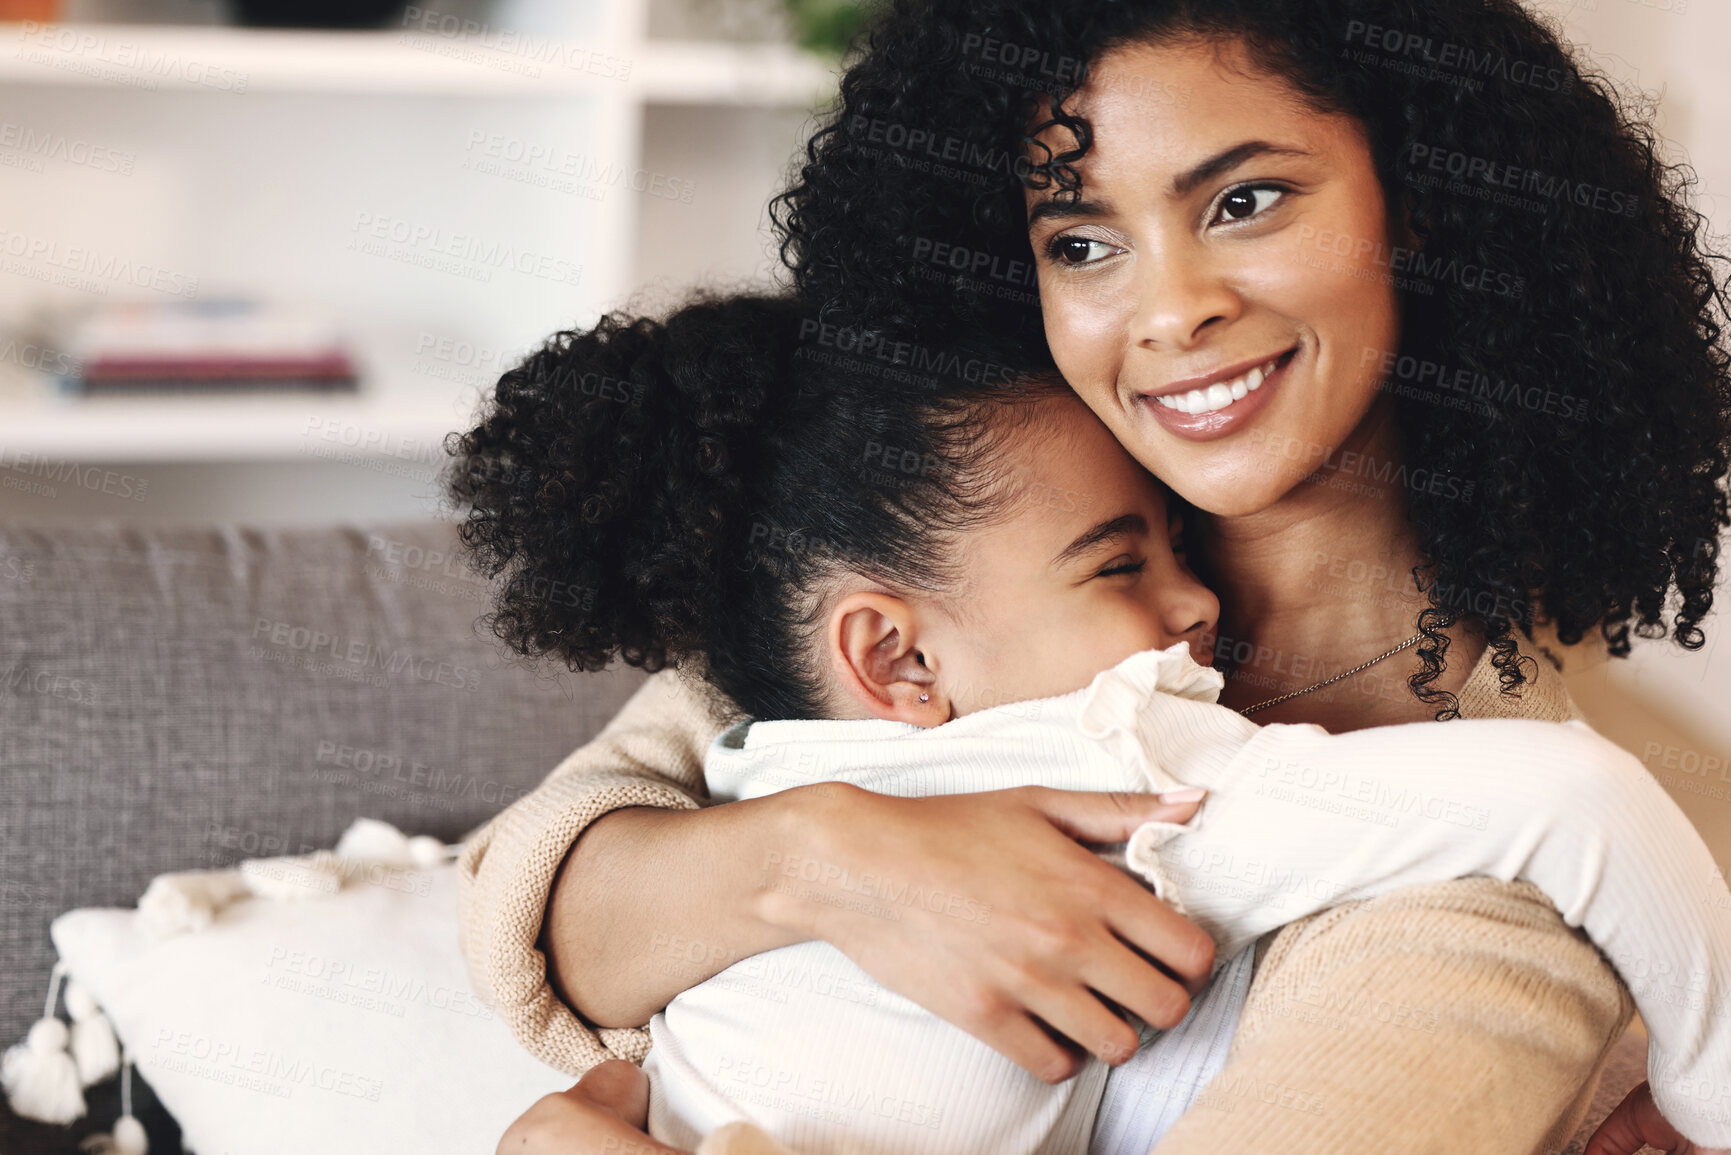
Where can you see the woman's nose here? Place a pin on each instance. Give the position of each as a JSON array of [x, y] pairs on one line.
[[1178, 298]]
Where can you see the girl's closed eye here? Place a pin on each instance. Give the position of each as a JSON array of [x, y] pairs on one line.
[[1122, 566]]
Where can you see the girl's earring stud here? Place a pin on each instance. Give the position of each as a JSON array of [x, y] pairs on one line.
[[925, 697]]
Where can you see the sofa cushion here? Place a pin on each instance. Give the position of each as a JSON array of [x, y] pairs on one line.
[[342, 1022]]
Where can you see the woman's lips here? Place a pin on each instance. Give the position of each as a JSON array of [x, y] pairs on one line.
[[1220, 422]]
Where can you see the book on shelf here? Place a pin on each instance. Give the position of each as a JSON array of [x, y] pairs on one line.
[[230, 345]]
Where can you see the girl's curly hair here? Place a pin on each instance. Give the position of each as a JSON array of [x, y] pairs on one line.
[[1589, 408], [674, 490]]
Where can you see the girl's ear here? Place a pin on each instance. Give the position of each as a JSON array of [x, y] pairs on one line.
[[875, 653]]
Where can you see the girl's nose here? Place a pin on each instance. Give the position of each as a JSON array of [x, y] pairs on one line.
[[1190, 613]]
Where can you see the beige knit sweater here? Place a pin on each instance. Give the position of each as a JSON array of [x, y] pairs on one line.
[[1461, 1017]]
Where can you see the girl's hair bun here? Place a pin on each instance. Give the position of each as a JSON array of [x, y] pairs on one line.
[[607, 472]]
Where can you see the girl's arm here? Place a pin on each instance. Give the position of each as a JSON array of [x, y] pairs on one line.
[[658, 897], [1300, 820]]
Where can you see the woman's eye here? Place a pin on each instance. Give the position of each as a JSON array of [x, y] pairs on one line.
[[1078, 250], [1246, 201], [1121, 567]]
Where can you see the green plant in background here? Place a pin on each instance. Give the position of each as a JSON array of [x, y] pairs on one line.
[[828, 26]]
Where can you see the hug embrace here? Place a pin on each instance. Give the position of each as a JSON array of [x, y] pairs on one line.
[[1108, 614]]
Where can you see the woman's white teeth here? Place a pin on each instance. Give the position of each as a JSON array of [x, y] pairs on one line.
[[1220, 395]]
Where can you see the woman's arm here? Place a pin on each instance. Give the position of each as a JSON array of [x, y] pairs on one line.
[[1455, 1016], [650, 755], [652, 901], [1367, 1030], [1018, 920], [628, 929]]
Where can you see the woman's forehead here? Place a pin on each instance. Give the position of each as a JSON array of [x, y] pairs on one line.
[[1162, 105]]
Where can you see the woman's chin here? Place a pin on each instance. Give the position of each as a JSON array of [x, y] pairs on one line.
[[1238, 493], [1228, 508]]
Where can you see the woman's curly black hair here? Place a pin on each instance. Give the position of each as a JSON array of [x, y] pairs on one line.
[[1596, 426], [679, 490]]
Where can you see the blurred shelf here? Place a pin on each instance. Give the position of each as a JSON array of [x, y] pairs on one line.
[[406, 404], [237, 61], [403, 409], [309, 426]]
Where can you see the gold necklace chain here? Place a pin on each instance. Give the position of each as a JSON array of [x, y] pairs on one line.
[[1412, 641]]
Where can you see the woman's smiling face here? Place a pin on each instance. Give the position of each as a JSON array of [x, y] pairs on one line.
[[1225, 229]]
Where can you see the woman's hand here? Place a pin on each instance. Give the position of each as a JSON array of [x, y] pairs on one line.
[[1636, 1123], [982, 908], [985, 910], [605, 1113]]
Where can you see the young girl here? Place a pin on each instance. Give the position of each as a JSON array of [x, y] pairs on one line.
[[924, 591]]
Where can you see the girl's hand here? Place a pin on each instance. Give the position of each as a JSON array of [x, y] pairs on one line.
[[1636, 1123], [985, 910], [605, 1113]]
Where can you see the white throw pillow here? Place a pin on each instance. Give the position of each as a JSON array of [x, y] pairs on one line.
[[341, 1024]]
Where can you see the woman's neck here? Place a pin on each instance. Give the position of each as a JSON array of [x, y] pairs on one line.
[[1321, 582]]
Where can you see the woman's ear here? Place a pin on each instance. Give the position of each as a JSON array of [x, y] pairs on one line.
[[1401, 231], [875, 651]]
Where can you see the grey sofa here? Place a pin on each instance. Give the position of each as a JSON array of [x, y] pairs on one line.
[[185, 698]]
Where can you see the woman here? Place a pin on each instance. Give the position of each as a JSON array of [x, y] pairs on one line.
[[1497, 413]]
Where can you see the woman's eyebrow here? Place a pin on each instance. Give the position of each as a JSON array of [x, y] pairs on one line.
[[1064, 210], [1120, 526], [1226, 161], [1182, 184]]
